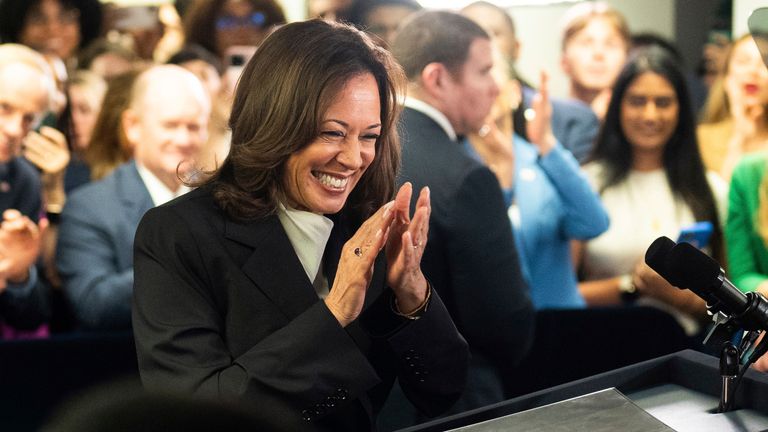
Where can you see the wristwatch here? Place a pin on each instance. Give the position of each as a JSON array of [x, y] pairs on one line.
[[53, 213], [627, 289]]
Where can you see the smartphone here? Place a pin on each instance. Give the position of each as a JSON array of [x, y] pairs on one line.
[[236, 57], [697, 234]]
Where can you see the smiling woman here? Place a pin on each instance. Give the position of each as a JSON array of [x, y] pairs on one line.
[[56, 27], [320, 176], [649, 115], [648, 171], [290, 278]]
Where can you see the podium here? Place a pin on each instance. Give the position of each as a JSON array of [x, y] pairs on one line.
[[680, 391]]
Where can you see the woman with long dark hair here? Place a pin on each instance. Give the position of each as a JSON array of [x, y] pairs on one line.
[[648, 171], [290, 279]]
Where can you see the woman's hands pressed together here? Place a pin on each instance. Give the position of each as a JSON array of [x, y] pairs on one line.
[[404, 238], [405, 247]]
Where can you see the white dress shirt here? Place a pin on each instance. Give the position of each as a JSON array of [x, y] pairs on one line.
[[309, 233], [433, 113], [157, 189]]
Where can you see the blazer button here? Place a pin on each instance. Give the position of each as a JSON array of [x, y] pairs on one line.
[[306, 415], [341, 394]]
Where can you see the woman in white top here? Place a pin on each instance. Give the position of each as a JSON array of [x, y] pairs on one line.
[[647, 168]]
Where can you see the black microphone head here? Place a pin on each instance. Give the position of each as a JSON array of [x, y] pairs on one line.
[[656, 256], [691, 268]]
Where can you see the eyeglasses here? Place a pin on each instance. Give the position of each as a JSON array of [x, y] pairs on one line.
[[256, 19]]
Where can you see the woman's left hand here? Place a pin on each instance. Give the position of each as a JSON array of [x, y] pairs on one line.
[[405, 246]]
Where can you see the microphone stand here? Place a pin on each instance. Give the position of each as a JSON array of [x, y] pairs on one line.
[[721, 335], [729, 370]]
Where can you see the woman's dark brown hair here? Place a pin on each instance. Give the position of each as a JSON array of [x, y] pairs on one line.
[[279, 105]]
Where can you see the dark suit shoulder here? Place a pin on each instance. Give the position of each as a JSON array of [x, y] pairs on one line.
[[431, 158]]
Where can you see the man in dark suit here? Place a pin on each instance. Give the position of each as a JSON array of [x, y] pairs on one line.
[[470, 257], [166, 124]]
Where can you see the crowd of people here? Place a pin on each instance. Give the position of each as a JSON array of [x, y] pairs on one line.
[[338, 215]]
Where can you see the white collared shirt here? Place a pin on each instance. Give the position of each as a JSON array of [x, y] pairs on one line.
[[433, 113], [308, 233], [157, 189]]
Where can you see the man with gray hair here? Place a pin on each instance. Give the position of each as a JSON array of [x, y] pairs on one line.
[[470, 256], [165, 123], [25, 96]]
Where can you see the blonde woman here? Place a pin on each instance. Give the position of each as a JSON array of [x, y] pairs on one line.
[[734, 120]]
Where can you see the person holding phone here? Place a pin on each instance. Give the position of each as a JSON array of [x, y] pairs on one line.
[[648, 171], [291, 279]]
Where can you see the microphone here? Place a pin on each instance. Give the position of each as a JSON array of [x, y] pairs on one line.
[[656, 257], [686, 267], [696, 271]]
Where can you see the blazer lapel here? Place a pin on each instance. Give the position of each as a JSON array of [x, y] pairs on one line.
[[273, 266], [132, 192]]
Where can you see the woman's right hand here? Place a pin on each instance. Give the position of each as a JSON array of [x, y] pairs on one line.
[[345, 301]]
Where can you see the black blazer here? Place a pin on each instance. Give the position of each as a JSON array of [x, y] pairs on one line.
[[225, 309], [471, 256]]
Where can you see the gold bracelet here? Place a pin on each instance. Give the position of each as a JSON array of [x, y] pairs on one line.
[[419, 311]]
